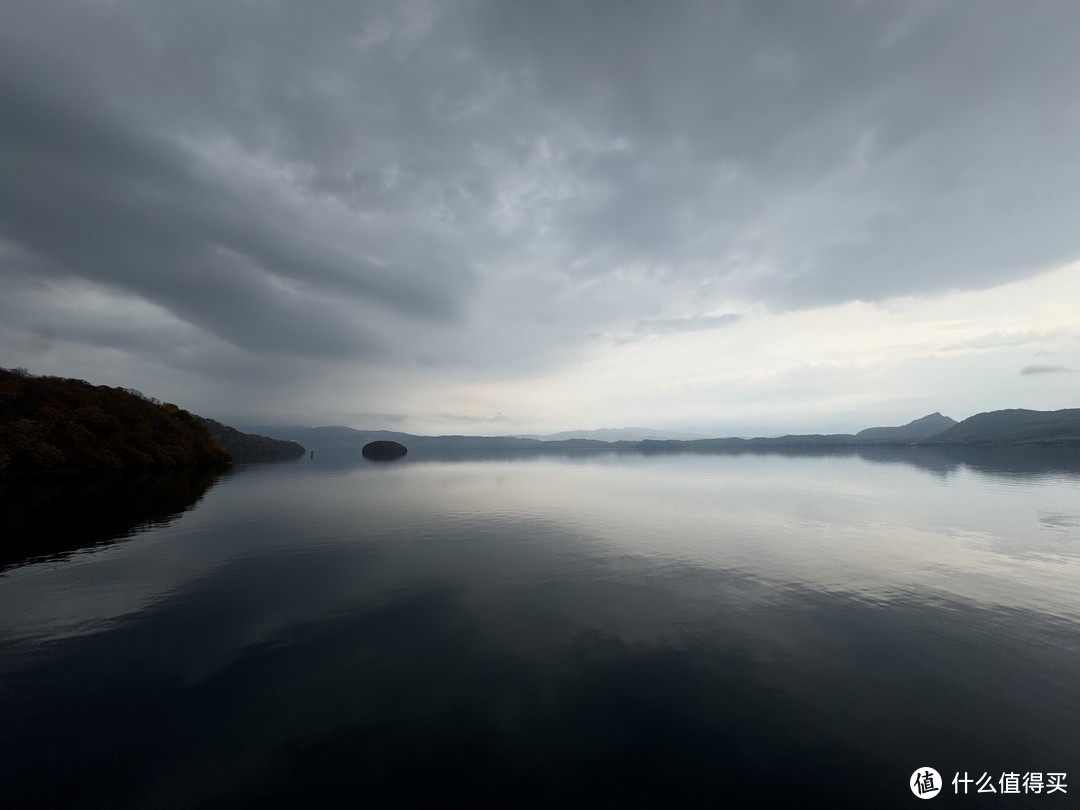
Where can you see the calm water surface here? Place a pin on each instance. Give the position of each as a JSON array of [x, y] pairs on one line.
[[608, 629]]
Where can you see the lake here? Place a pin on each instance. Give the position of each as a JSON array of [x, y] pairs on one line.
[[605, 629]]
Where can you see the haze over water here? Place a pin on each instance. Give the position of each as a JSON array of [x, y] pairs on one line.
[[764, 630]]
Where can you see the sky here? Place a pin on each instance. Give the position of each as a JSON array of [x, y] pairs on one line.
[[529, 216]]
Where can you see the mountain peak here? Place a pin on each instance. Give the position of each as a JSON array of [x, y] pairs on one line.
[[916, 431]]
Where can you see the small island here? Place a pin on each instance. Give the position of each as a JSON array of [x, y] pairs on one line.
[[383, 450]]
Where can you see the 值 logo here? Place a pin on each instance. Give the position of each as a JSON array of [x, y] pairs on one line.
[[925, 783]]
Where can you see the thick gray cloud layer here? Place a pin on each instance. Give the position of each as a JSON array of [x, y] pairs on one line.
[[488, 186]]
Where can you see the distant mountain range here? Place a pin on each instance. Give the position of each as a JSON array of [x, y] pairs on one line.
[[629, 434], [1009, 427], [1016, 426], [918, 431]]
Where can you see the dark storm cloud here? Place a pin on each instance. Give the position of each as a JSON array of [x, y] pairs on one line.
[[469, 185], [91, 196], [840, 150], [1036, 369]]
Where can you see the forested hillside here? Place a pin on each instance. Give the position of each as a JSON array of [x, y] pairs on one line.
[[51, 423], [1016, 426], [247, 448]]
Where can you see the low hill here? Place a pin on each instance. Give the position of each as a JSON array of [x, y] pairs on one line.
[[346, 438], [247, 448], [1016, 426], [630, 434], [996, 427], [917, 431], [51, 423]]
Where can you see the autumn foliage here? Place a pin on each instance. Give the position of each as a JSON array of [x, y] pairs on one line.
[[51, 423]]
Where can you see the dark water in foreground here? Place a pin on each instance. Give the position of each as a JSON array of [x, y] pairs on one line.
[[613, 630]]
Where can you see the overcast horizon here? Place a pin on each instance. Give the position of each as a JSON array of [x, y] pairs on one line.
[[723, 218]]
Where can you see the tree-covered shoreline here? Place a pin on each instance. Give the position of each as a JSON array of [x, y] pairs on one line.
[[54, 424]]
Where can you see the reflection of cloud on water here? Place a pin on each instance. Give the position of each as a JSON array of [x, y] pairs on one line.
[[1060, 521], [558, 670]]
